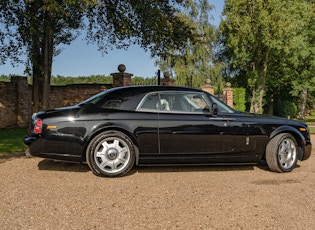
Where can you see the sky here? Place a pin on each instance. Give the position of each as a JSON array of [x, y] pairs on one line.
[[81, 59]]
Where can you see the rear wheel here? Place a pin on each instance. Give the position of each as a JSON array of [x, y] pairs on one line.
[[111, 154], [281, 153]]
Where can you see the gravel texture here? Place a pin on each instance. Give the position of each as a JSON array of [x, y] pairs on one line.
[[38, 193]]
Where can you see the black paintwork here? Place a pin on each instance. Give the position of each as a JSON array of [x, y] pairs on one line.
[[161, 137]]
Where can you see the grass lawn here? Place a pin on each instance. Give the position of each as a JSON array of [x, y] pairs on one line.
[[11, 140], [310, 120]]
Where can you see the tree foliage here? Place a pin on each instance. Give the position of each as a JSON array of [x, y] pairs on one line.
[[37, 28], [192, 65], [267, 43]]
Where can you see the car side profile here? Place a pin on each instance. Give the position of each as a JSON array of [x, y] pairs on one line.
[[164, 125]]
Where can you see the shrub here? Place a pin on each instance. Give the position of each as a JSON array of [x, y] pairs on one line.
[[287, 109], [239, 100]]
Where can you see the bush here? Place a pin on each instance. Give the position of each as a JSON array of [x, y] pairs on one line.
[[239, 99], [287, 109]]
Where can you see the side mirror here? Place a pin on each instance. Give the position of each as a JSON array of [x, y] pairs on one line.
[[215, 109]]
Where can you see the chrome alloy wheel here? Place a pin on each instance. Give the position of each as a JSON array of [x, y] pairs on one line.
[[287, 153], [112, 155]]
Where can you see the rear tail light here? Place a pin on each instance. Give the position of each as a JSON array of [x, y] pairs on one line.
[[38, 126]]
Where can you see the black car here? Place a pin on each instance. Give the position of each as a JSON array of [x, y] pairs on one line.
[[162, 125]]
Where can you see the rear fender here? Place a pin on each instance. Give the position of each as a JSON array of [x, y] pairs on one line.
[[108, 127]]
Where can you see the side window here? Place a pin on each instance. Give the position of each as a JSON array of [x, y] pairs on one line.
[[182, 102], [155, 101], [150, 102], [185, 102]]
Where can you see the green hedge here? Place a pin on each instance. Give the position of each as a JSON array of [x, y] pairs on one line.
[[239, 100]]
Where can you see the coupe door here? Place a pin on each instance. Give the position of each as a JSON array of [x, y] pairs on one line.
[[195, 133], [187, 131]]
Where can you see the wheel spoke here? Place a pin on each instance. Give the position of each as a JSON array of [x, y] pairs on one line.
[[100, 154], [116, 144], [107, 163], [121, 160], [116, 164], [105, 145], [284, 162], [122, 152]]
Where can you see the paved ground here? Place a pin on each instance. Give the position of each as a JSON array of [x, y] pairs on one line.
[[44, 194]]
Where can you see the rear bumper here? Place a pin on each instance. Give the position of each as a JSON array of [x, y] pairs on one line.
[[29, 140], [33, 143]]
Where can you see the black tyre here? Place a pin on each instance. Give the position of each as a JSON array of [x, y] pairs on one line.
[[111, 154], [282, 153]]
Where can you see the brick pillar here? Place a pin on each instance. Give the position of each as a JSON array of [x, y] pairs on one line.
[[121, 78], [23, 102], [167, 80], [208, 87], [228, 94]]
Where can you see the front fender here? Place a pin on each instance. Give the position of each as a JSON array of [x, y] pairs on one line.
[[288, 129], [301, 141]]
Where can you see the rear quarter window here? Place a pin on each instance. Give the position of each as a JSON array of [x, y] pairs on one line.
[[120, 100]]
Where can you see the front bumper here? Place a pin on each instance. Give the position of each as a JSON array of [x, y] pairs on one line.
[[307, 151]]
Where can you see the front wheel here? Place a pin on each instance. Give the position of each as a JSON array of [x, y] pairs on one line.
[[110, 154], [281, 153]]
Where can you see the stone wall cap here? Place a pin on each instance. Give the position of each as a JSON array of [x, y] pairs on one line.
[[121, 74]]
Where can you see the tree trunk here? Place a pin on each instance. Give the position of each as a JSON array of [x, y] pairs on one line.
[[302, 104], [257, 99], [42, 53], [47, 59], [258, 90], [35, 56]]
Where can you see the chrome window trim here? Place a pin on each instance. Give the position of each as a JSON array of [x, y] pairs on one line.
[[139, 109]]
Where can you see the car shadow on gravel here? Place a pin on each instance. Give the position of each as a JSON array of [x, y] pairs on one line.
[[194, 168], [54, 165], [203, 168]]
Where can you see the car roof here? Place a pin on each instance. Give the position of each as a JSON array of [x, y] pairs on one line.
[[130, 96], [152, 88]]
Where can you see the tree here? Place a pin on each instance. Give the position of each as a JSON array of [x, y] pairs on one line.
[[261, 40], [196, 62], [38, 28], [303, 62]]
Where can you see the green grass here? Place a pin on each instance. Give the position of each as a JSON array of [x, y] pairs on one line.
[[310, 120], [11, 140], [312, 127]]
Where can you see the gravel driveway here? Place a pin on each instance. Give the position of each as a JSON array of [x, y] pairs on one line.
[[44, 194]]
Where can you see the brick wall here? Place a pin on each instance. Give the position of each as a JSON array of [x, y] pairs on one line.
[[73, 94], [8, 99]]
